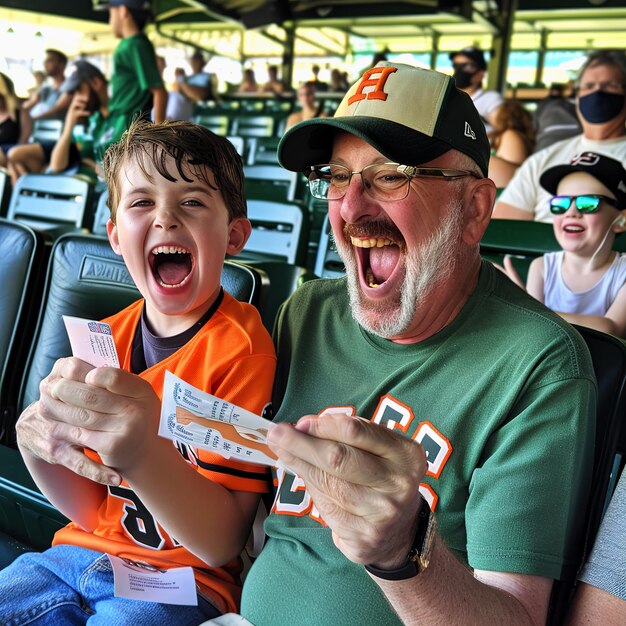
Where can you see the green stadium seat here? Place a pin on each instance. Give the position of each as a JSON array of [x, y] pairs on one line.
[[279, 232], [328, 263], [52, 203], [609, 362], [5, 191], [272, 183], [253, 126], [262, 151], [46, 130], [22, 269], [218, 123]]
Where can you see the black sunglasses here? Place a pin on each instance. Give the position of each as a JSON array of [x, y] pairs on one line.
[[584, 204]]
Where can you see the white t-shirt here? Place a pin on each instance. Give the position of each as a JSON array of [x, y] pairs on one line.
[[524, 191], [486, 102], [595, 301]]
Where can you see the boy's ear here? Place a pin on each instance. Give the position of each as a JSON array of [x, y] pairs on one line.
[[239, 232], [113, 238], [619, 226]]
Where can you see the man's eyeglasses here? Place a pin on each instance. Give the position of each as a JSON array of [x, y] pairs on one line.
[[611, 86], [385, 182], [584, 204]]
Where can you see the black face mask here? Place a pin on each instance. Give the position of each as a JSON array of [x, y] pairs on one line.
[[599, 107], [463, 79]]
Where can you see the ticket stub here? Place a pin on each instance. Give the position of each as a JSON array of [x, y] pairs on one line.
[[199, 419], [91, 341]]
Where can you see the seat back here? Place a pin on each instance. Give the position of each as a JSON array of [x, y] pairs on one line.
[[219, 124], [328, 263], [253, 126], [46, 130], [21, 265], [263, 150], [608, 355], [271, 183], [87, 279], [101, 216], [52, 203], [279, 232], [5, 191]]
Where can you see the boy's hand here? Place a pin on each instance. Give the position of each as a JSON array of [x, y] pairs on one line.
[[511, 272]]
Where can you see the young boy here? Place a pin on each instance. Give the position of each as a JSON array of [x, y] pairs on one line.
[[584, 282], [177, 208]]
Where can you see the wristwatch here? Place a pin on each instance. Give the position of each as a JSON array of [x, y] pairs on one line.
[[419, 554]]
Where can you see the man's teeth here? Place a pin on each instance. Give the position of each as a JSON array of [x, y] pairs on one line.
[[374, 242], [370, 280], [169, 250]]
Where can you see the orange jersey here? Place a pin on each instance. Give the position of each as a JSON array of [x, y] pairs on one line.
[[232, 357]]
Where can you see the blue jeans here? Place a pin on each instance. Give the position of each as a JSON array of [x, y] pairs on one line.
[[71, 585]]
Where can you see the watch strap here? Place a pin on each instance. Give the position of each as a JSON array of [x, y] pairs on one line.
[[415, 559]]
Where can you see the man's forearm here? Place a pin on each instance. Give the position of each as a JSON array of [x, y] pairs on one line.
[[448, 593]]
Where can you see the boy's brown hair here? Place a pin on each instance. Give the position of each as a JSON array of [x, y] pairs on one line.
[[193, 148]]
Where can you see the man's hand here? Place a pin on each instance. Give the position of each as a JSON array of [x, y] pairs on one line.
[[108, 410], [363, 478]]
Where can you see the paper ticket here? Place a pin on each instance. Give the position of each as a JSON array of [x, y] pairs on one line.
[[91, 341], [199, 419]]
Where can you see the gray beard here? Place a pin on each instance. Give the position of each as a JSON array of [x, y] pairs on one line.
[[424, 269]]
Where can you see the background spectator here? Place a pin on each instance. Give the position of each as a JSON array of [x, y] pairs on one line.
[[555, 118], [512, 141], [48, 102], [188, 90], [469, 70], [9, 114], [601, 107], [310, 106], [315, 81], [273, 84], [248, 84]]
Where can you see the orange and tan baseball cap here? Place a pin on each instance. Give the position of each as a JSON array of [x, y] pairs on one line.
[[410, 115]]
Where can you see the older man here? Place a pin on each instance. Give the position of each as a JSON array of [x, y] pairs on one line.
[[423, 372], [601, 108]]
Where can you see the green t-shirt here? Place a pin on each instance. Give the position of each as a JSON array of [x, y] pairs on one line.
[[503, 401], [135, 73]]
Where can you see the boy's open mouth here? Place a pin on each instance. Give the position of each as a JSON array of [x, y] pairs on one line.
[[171, 265], [378, 256]]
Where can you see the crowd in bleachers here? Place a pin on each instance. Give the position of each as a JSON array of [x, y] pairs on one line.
[[51, 149]]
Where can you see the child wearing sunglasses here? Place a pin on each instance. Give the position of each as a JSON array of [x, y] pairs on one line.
[[585, 281]]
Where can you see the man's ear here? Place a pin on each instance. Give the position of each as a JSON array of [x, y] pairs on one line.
[[239, 233], [478, 206], [113, 238]]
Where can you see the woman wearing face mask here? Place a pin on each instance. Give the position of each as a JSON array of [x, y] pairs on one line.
[[469, 67], [601, 108]]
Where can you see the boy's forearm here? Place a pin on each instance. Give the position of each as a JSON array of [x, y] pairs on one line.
[[209, 520], [598, 322], [76, 497]]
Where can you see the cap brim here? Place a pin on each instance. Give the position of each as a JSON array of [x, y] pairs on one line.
[[311, 142]]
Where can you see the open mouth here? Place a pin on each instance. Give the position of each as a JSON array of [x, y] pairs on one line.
[[379, 257], [171, 265], [573, 228]]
